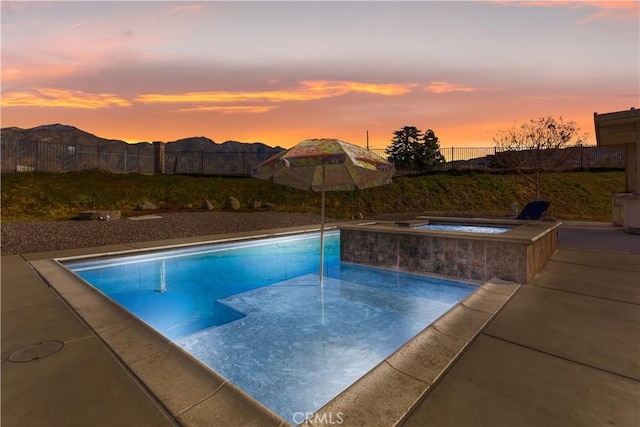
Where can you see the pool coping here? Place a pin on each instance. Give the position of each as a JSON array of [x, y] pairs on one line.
[[195, 394], [523, 232]]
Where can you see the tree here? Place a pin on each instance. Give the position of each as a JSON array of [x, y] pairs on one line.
[[536, 147], [429, 156], [402, 151], [410, 149]]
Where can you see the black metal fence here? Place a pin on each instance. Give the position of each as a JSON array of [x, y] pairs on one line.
[[50, 156], [232, 163], [492, 158], [452, 154]]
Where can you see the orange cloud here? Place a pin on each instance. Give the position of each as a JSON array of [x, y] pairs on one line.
[[230, 109], [223, 102], [62, 98], [308, 91], [341, 87], [444, 87]]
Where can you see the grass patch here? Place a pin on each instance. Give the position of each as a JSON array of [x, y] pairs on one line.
[[58, 196]]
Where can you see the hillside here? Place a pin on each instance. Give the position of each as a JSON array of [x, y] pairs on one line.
[[60, 196], [59, 147], [65, 134]]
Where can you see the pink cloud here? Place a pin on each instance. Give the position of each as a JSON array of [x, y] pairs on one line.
[[535, 97], [189, 8], [613, 10]]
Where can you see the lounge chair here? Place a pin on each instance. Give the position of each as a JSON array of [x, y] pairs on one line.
[[534, 210]]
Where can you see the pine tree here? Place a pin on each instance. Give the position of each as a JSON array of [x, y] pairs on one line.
[[429, 156], [404, 147], [412, 150]]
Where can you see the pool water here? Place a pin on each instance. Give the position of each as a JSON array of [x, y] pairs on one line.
[[491, 229], [255, 313]]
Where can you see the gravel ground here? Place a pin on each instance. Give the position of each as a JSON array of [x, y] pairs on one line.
[[41, 236], [44, 236]]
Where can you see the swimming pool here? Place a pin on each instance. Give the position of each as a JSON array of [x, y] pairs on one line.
[[287, 342]]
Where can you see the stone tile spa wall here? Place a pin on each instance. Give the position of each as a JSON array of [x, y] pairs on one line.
[[516, 255]]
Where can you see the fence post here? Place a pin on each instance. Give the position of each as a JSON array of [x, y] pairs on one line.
[[159, 164], [15, 153]]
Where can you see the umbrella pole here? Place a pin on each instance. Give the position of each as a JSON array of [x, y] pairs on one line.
[[322, 233]]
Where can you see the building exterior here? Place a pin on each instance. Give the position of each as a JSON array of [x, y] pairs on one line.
[[621, 129]]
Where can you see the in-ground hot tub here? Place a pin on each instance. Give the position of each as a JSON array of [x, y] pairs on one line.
[[466, 228], [516, 253]]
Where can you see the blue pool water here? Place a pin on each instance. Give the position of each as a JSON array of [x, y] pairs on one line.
[[255, 313], [492, 229]]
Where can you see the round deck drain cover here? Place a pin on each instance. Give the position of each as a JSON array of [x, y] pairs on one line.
[[35, 351]]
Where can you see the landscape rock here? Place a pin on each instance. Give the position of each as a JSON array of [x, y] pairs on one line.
[[95, 215], [232, 203], [268, 206], [208, 205], [145, 206], [256, 204]]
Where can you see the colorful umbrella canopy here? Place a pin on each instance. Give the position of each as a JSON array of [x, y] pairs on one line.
[[326, 165]]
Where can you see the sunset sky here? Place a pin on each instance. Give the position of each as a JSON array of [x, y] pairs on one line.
[[281, 72]]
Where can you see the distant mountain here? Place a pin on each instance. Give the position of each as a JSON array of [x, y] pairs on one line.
[[201, 143], [55, 133], [59, 147], [55, 126], [71, 135]]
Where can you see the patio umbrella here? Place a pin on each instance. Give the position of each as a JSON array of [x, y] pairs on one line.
[[326, 165]]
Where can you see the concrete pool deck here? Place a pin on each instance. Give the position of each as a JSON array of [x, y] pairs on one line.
[[564, 350]]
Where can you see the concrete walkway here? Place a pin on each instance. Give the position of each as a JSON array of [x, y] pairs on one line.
[[84, 384], [565, 350]]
